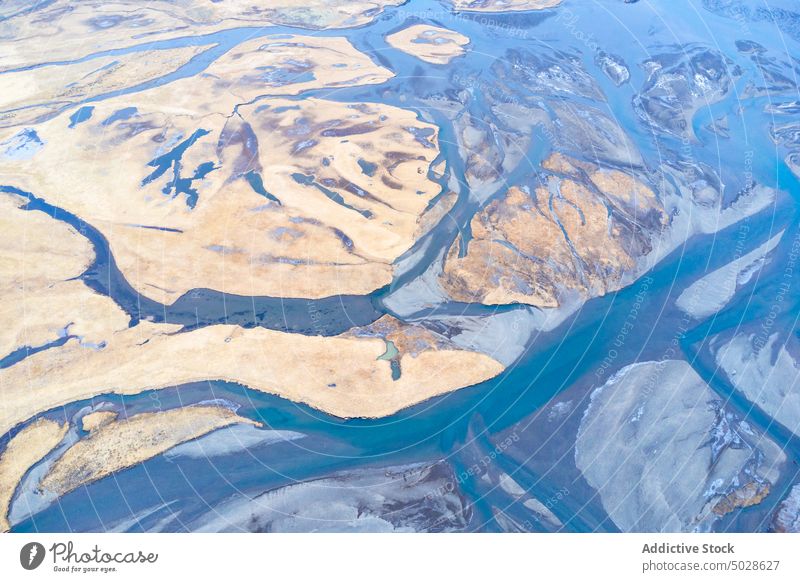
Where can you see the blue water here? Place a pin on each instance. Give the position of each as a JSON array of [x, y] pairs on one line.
[[81, 115], [463, 425]]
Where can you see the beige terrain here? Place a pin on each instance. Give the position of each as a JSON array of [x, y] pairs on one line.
[[95, 420], [39, 261], [431, 44], [67, 30], [573, 235], [341, 375], [336, 196], [117, 445], [32, 94], [24, 450], [192, 199]]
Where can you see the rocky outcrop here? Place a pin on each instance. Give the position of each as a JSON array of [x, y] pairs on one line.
[[750, 494], [584, 232]]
